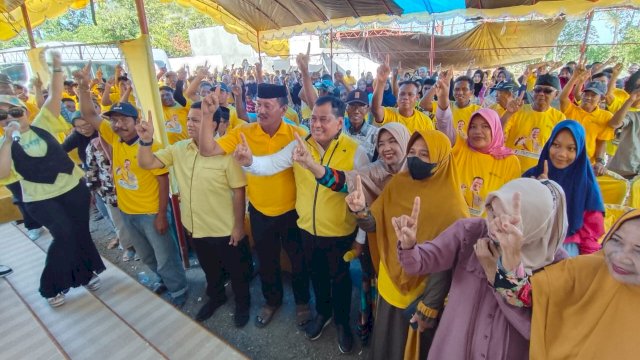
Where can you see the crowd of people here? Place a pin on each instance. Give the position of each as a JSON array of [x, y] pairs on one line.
[[474, 200]]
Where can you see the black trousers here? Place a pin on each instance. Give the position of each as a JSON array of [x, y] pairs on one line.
[[271, 234], [330, 274], [216, 255], [29, 222], [72, 257]]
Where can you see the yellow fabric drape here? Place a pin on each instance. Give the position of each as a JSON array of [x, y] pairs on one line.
[[39, 11], [38, 66]]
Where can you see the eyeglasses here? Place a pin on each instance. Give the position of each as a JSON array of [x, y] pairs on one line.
[[544, 90], [15, 113]]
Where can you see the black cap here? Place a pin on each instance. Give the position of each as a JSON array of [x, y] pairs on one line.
[[597, 87], [505, 86], [123, 108], [548, 80], [358, 96], [271, 91]]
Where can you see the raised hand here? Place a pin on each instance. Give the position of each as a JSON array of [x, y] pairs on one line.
[[355, 200], [301, 153], [182, 73], [302, 60], [507, 230], [82, 76], [514, 105], [487, 253], [384, 70], [145, 129], [406, 227], [37, 82], [397, 70], [545, 171], [210, 104], [56, 59], [243, 154]]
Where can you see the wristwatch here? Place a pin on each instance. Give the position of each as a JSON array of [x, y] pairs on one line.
[[142, 143]]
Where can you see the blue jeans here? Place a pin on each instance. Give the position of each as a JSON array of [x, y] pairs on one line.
[[158, 252]]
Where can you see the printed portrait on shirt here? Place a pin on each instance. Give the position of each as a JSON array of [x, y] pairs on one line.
[[473, 195], [173, 125], [126, 178]]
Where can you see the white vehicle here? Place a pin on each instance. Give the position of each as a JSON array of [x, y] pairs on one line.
[[15, 63]]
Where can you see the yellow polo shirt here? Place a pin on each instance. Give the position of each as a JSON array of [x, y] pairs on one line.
[[34, 146], [619, 97], [596, 126], [175, 122], [271, 195], [206, 183], [527, 131], [417, 121], [137, 188]]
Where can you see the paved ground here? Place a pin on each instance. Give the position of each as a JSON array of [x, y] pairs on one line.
[[279, 340]]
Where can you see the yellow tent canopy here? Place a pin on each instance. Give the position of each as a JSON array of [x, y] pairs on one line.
[[275, 21]]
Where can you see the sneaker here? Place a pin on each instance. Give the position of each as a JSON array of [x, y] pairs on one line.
[[57, 300], [34, 234], [314, 329], [159, 288], [345, 339], [94, 283], [241, 316], [207, 310], [5, 270], [179, 301]]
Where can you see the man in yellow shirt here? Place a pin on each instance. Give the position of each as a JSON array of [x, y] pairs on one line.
[[328, 227], [212, 209], [143, 195], [528, 127], [504, 93], [594, 120], [348, 79], [175, 116], [272, 199], [462, 108], [405, 113]]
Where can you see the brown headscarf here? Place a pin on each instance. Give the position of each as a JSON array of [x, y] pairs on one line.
[[376, 175], [441, 205]]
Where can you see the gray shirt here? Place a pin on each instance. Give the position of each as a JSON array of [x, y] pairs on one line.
[[626, 161]]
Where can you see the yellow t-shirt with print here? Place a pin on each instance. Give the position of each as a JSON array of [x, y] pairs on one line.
[[498, 108], [34, 146], [479, 174], [417, 121], [206, 199], [137, 188], [596, 126], [527, 131], [175, 122], [461, 118]]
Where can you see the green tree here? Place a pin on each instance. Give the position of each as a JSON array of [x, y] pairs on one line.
[[169, 26]]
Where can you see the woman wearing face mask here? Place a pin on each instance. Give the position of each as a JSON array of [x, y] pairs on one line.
[[564, 160], [483, 162], [585, 307], [477, 322], [389, 160], [53, 190], [429, 175]]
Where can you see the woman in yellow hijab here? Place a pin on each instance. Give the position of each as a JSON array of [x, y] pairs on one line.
[[430, 175], [584, 307]]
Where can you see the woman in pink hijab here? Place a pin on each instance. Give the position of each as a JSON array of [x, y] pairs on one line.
[[483, 162]]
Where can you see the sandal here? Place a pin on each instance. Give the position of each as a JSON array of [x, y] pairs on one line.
[[113, 243], [303, 315], [266, 315]]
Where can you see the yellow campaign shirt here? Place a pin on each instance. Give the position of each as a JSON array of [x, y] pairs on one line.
[[596, 126], [137, 188], [206, 183], [34, 146], [234, 120], [527, 131], [175, 122], [619, 97], [531, 81], [349, 80], [417, 121], [388, 290], [498, 108], [292, 115], [479, 174], [271, 195], [461, 118]]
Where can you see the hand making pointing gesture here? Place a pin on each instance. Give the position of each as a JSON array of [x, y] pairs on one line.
[[406, 227], [355, 200], [243, 154]]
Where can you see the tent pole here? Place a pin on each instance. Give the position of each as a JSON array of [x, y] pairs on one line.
[[431, 49], [142, 17], [583, 47], [331, 45], [259, 52], [27, 25]]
